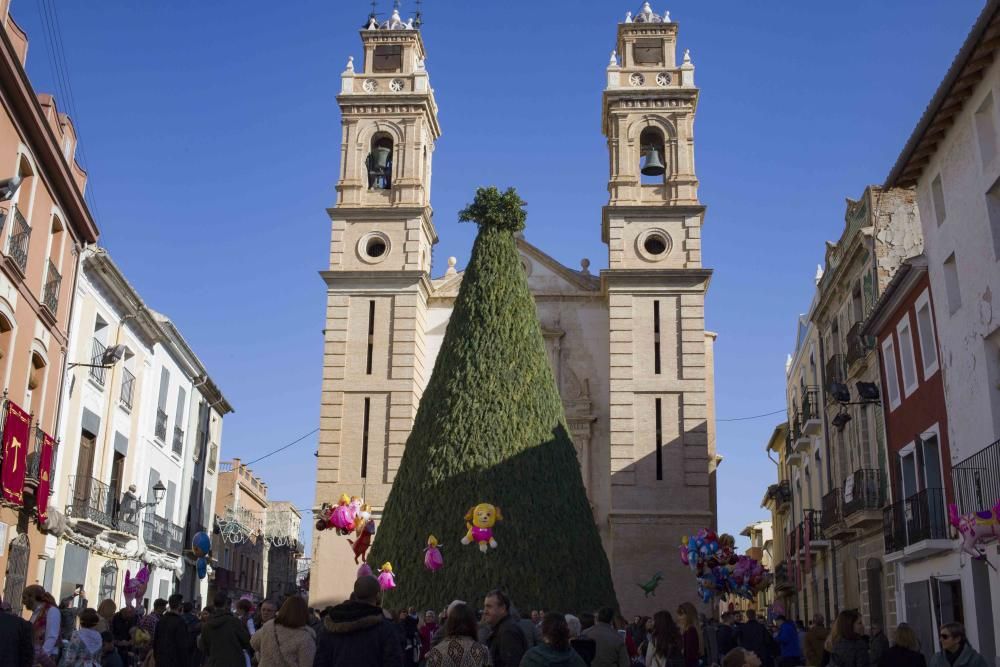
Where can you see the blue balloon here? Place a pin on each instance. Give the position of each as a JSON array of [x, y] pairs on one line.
[[202, 566], [201, 544]]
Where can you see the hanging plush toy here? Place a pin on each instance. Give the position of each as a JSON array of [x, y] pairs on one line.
[[201, 546], [975, 528], [650, 586], [386, 580], [325, 517], [343, 515], [433, 560], [364, 529], [479, 521], [135, 588]]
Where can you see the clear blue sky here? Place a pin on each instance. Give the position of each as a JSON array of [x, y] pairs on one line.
[[212, 135]]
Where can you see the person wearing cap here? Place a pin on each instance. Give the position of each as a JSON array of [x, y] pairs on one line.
[[357, 633]]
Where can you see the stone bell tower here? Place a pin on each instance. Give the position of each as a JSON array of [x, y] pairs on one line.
[[377, 283], [661, 389]]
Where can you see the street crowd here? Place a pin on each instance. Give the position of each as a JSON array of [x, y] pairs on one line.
[[360, 633]]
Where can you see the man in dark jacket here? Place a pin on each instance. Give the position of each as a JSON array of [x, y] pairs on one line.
[[171, 642], [15, 638], [506, 640], [753, 636], [224, 638], [357, 633], [726, 634], [611, 651]]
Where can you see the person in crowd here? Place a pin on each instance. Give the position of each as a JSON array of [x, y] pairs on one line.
[[315, 622], [850, 649], [506, 640], [878, 643], [285, 639], [555, 650], [726, 634], [409, 636], [610, 647], [265, 613], [587, 620], [955, 649], [122, 624], [46, 623], [70, 608], [110, 657], [85, 645], [193, 625], [812, 647], [694, 643], [357, 633], [665, 646], [710, 632], [532, 631], [224, 639], [428, 627], [106, 610], [171, 641], [17, 641], [741, 657], [536, 618], [789, 650], [438, 636], [459, 646], [754, 637], [244, 612], [905, 650], [585, 647]]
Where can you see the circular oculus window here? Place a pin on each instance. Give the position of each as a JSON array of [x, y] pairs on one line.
[[373, 247], [370, 85], [654, 244], [396, 85], [636, 79], [663, 79]]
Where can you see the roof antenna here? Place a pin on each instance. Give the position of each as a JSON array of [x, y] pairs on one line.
[[418, 19], [372, 16]]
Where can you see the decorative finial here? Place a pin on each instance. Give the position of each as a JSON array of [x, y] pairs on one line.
[[409, 24], [613, 62], [350, 64], [451, 266], [421, 64], [687, 56], [628, 17], [372, 23], [585, 266], [666, 16]]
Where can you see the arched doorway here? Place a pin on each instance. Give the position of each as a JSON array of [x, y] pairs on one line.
[[17, 569]]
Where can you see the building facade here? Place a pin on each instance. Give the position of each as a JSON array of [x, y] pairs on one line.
[[45, 224], [628, 348], [130, 437], [782, 594], [951, 160]]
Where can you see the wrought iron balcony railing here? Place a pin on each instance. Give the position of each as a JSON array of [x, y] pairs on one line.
[[34, 460], [867, 491], [162, 534], [93, 500], [53, 280], [17, 245], [920, 517], [811, 526], [857, 345], [97, 371], [161, 426], [810, 404], [835, 370], [178, 444], [832, 508], [127, 391], [977, 480]]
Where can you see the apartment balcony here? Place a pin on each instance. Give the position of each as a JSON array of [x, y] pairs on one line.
[[917, 527], [17, 244], [163, 535], [976, 480], [783, 584], [781, 494], [811, 529], [836, 371], [160, 430], [811, 415], [95, 509], [800, 439], [858, 346], [834, 526], [33, 473], [864, 498], [793, 456], [50, 295], [98, 373]]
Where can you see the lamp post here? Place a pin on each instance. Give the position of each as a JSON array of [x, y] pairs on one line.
[[158, 492]]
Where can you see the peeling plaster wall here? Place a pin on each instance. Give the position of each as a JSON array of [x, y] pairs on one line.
[[897, 232], [969, 337]]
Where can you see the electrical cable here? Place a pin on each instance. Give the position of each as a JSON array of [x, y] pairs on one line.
[[739, 419], [283, 447]]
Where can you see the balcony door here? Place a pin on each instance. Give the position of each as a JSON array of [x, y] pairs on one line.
[[84, 465], [923, 489]]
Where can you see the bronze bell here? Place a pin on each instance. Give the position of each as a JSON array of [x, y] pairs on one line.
[[652, 166], [382, 155]]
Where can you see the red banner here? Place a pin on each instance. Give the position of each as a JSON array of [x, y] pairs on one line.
[[44, 474], [15, 453]]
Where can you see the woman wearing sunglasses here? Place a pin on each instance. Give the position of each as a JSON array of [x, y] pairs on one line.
[[955, 650]]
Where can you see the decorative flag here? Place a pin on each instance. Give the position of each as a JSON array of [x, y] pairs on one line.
[[15, 453], [807, 537], [44, 474]]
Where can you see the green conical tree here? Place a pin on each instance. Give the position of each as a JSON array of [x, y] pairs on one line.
[[490, 428]]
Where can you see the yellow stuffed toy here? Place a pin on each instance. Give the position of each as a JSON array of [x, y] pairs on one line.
[[479, 522]]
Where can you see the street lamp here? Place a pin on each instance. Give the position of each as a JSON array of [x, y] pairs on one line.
[[8, 187], [158, 492], [111, 356]]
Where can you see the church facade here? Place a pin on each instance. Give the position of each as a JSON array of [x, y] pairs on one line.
[[628, 346]]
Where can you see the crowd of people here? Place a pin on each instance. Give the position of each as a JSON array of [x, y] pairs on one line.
[[360, 633]]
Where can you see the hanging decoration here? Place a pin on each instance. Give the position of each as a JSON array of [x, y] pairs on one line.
[[479, 522], [433, 560], [364, 530], [386, 579], [719, 570], [201, 545], [976, 527], [135, 587], [17, 427], [650, 586], [44, 477]]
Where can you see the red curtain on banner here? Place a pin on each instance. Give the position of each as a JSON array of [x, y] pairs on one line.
[[15, 453], [44, 472]]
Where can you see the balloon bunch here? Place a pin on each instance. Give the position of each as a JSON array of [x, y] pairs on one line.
[[340, 516], [201, 546], [719, 570]]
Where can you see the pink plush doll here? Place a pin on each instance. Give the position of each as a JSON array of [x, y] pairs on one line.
[[135, 588], [433, 560], [976, 527], [344, 514], [387, 580]]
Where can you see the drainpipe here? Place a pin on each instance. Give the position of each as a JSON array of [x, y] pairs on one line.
[[829, 467]]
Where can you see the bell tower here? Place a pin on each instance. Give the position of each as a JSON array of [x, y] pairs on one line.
[[377, 283], [662, 451]]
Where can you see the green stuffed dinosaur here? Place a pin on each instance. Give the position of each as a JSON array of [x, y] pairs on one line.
[[650, 586]]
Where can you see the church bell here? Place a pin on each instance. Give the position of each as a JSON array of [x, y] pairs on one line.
[[382, 154], [652, 166]]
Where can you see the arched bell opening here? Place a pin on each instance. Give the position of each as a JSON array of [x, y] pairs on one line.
[[379, 162], [652, 156]]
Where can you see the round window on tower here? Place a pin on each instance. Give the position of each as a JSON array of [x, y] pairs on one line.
[[653, 245], [373, 247]]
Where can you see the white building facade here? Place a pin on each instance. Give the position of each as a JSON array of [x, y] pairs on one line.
[[140, 431]]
